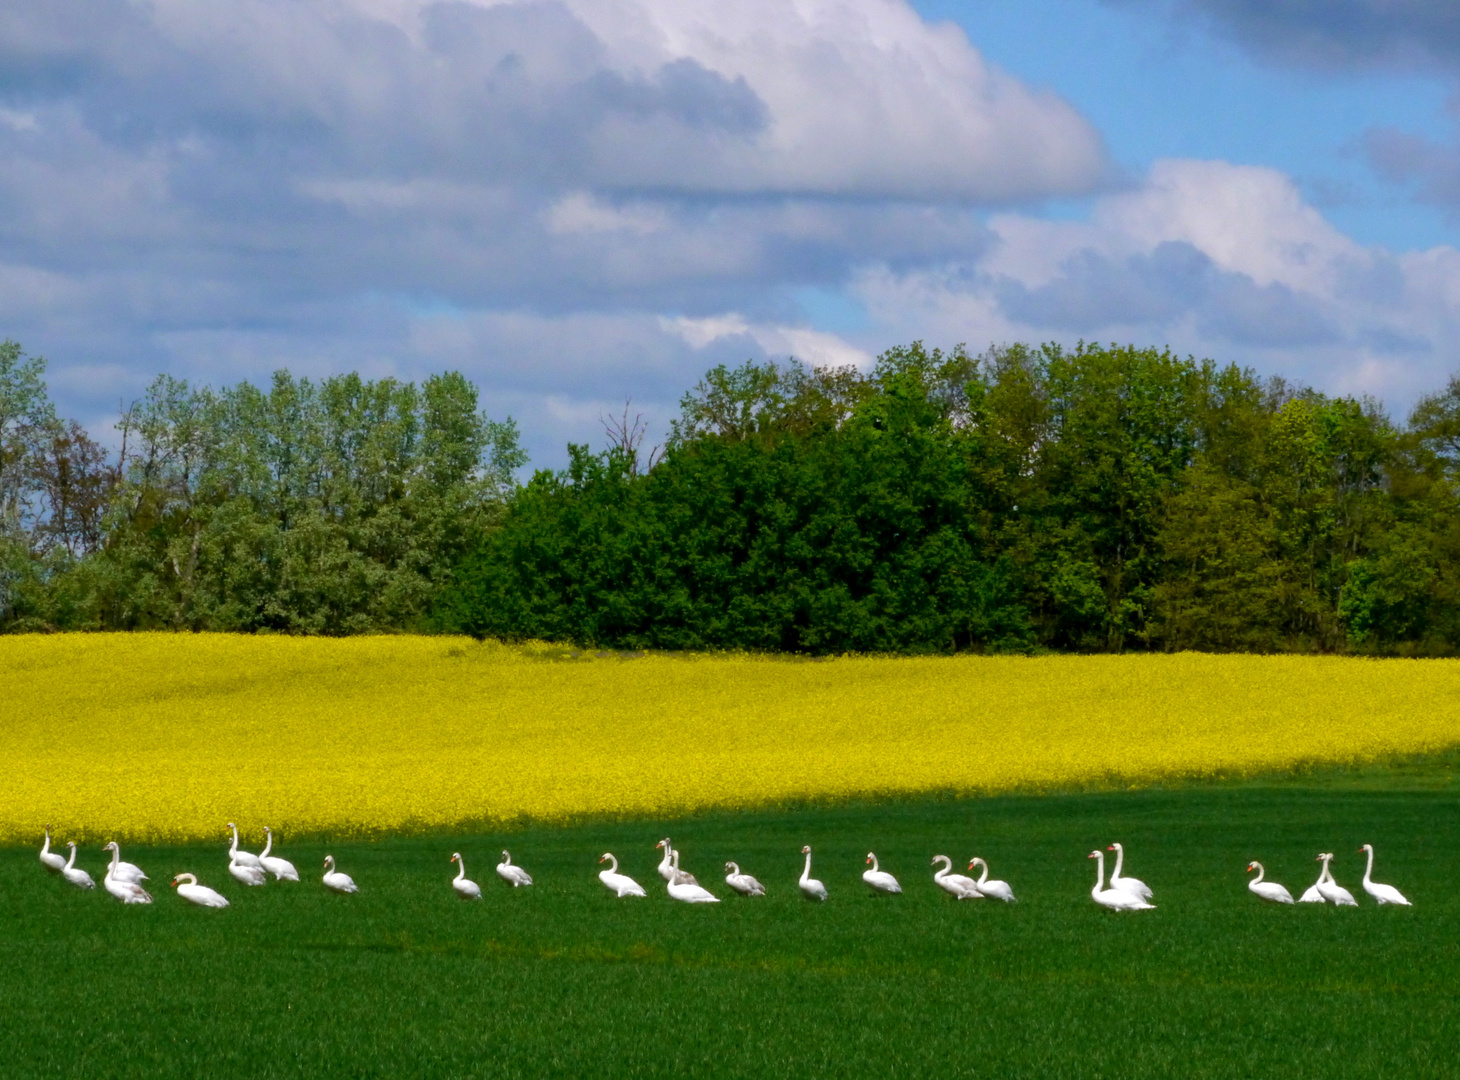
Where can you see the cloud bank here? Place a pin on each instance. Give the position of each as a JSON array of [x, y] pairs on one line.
[[577, 202]]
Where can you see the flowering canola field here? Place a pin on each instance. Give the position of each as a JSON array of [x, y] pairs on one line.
[[166, 737]]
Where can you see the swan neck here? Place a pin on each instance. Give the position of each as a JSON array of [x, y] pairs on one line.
[[72, 860], [1119, 861], [1260, 871], [116, 857], [985, 875], [613, 864], [1370, 868], [233, 845], [460, 868], [269, 846], [947, 864], [806, 873], [874, 864], [1099, 874], [46, 847]]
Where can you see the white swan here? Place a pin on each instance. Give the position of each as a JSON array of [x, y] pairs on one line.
[[959, 886], [333, 879], [744, 884], [1332, 891], [282, 869], [1383, 894], [1312, 895], [242, 858], [996, 889], [51, 860], [128, 892], [467, 890], [125, 871], [1113, 899], [512, 875], [620, 885], [683, 875], [666, 864], [74, 874], [188, 888], [247, 875], [1270, 891], [1127, 884], [689, 892], [880, 881], [810, 887]]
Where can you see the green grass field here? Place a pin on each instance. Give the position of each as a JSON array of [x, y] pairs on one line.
[[561, 979]]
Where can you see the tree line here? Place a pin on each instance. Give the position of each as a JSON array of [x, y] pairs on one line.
[[1025, 499]]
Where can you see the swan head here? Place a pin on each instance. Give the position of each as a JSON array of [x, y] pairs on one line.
[[1251, 867], [329, 862], [1092, 855], [604, 857], [71, 844], [455, 857], [731, 868], [806, 850], [111, 845], [869, 857], [506, 856], [662, 844], [1367, 847], [1113, 847]]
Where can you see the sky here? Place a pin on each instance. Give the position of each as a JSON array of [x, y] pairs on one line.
[[579, 203]]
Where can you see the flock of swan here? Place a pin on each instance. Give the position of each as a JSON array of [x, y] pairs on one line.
[[123, 880]]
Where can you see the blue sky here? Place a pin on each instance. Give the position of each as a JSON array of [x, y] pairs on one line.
[[578, 202]]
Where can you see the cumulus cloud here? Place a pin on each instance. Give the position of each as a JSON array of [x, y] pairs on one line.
[[1215, 259], [218, 189]]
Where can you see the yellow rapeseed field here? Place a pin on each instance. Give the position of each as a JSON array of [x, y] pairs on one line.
[[159, 736]]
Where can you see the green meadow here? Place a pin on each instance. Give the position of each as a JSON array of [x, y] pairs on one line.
[[562, 979]]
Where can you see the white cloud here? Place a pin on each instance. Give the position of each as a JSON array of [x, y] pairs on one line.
[[1212, 258]]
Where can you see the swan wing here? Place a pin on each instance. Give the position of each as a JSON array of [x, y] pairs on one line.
[[1386, 894], [1312, 896], [282, 869], [52, 862], [998, 890], [78, 877], [813, 889], [467, 890]]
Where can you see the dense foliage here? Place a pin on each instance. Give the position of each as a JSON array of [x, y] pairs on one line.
[[1100, 499], [329, 507]]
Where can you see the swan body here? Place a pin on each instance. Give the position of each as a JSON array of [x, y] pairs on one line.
[[1126, 884], [128, 892], [512, 875], [282, 869], [744, 884], [333, 879], [996, 889], [689, 892], [880, 881], [810, 887], [51, 860], [188, 888], [1383, 894], [247, 875], [1312, 895], [467, 890], [1270, 891], [243, 858], [1114, 899], [620, 885], [956, 885], [74, 874], [1332, 891]]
